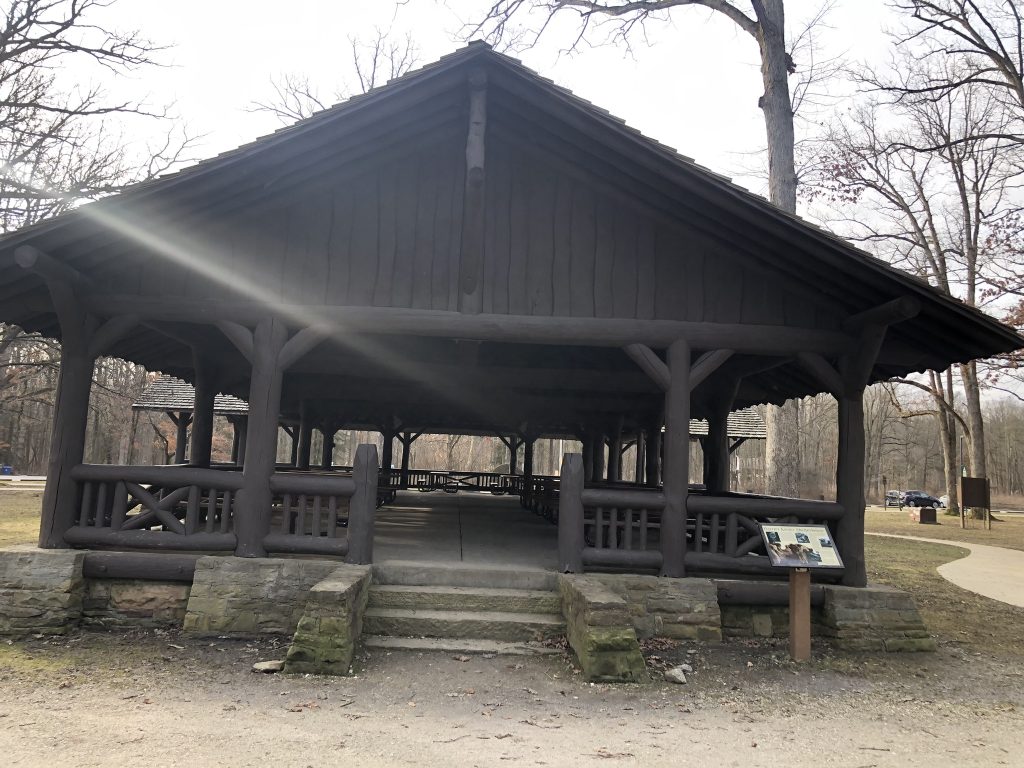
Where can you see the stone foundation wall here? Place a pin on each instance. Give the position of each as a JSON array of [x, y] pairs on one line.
[[41, 591], [874, 618], [600, 631], [326, 636], [117, 603], [682, 609], [251, 596]]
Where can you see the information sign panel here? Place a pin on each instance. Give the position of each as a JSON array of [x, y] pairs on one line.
[[798, 545]]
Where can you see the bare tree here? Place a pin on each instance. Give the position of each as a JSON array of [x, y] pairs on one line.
[[764, 22], [374, 62], [933, 190]]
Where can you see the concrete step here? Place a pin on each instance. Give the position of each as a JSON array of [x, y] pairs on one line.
[[474, 625], [462, 575], [445, 598], [456, 645]]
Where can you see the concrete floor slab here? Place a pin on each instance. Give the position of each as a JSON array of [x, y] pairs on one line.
[[472, 528]]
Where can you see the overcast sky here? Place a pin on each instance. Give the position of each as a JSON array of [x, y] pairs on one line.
[[693, 84]]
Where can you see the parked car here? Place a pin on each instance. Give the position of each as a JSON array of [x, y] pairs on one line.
[[894, 498], [920, 499]]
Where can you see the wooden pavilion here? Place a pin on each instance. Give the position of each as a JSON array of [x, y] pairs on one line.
[[469, 248]]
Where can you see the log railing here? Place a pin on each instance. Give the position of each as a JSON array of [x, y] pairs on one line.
[[722, 533], [326, 514], [616, 527], [157, 507]]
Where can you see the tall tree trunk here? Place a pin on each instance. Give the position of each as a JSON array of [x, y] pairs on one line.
[[977, 464], [782, 455]]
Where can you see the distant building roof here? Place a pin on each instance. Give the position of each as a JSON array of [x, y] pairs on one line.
[[746, 423], [167, 393]]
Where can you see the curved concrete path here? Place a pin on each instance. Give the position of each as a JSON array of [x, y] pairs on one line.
[[994, 572]]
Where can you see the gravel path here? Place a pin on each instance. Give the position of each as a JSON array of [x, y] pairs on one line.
[[169, 700]]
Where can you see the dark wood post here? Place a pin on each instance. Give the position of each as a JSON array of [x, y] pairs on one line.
[[639, 459], [241, 424], [588, 459], [327, 453], [207, 381], [388, 452], [615, 452], [513, 454], [407, 440], [677, 460], [849, 532], [363, 506], [716, 445], [570, 515], [598, 470], [305, 436], [67, 439], [293, 433], [252, 520], [652, 455], [181, 421], [528, 465]]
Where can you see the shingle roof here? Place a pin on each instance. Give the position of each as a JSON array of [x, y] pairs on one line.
[[746, 423], [167, 393]]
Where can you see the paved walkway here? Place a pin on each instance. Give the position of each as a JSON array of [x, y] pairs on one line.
[[994, 572]]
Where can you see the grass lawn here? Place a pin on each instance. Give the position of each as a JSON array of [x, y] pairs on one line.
[[955, 615], [19, 517], [1007, 530]]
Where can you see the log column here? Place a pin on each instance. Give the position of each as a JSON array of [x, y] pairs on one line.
[[615, 452], [597, 471], [241, 427], [181, 420], [677, 460], [207, 382], [588, 459], [83, 339], [67, 438], [305, 439], [252, 520], [716, 445], [327, 453], [407, 440], [388, 452], [638, 464], [528, 462]]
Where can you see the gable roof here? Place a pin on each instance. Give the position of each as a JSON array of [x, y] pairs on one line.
[[945, 331], [167, 393]]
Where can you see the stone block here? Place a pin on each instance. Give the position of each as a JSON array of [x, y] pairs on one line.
[[41, 590], [761, 625]]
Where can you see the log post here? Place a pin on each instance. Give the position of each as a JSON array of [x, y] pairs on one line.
[[363, 506], [252, 520], [528, 464], [293, 433], [597, 472], [327, 453], [207, 382], [638, 463], [513, 454], [67, 438], [570, 515], [588, 459], [716, 445], [241, 424], [615, 452], [181, 421], [652, 454], [302, 458], [388, 451], [849, 533], [677, 460]]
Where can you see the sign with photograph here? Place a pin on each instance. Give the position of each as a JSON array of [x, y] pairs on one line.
[[794, 545]]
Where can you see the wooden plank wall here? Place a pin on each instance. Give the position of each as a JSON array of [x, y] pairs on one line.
[[559, 241]]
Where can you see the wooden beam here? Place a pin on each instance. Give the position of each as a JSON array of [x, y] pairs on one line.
[[473, 208], [827, 376], [302, 342], [895, 311], [677, 461], [584, 331], [110, 333], [31, 258], [707, 364], [649, 362], [238, 335]]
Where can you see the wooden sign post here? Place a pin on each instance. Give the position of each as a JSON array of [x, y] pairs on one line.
[[800, 548], [799, 614]]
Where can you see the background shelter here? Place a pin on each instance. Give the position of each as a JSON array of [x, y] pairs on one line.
[[473, 249]]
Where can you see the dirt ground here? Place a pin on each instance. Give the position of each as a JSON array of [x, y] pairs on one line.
[[157, 698]]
